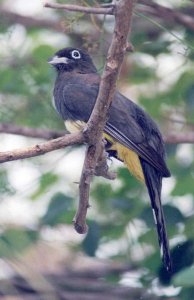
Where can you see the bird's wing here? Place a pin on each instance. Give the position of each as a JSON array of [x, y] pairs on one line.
[[134, 128], [144, 151], [127, 123]]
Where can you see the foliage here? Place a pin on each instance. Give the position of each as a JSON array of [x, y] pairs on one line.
[[120, 219]]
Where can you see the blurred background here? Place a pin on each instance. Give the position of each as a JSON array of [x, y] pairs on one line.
[[41, 256]]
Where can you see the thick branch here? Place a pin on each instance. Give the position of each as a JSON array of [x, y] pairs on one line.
[[42, 148], [84, 9], [89, 170], [96, 123]]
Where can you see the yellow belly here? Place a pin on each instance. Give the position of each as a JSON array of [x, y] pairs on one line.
[[129, 157]]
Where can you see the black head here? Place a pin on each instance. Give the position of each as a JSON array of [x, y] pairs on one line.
[[70, 59]]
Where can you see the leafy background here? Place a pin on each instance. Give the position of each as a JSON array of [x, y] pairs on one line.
[[38, 196]]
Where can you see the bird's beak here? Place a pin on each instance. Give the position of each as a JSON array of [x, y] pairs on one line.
[[58, 60]]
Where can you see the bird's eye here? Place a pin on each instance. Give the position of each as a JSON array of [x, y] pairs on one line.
[[76, 54]]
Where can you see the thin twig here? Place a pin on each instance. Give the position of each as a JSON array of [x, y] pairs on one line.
[[179, 138], [169, 14], [31, 132], [8, 128], [78, 8], [10, 17]]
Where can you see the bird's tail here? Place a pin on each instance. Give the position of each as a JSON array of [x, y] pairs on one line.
[[153, 182]]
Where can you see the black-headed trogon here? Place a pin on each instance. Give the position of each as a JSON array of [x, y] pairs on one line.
[[132, 136]]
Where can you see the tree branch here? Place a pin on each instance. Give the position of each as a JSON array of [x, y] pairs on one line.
[[42, 148], [8, 17], [89, 170], [153, 8], [84, 9], [96, 123], [31, 132], [170, 138], [168, 14], [179, 138]]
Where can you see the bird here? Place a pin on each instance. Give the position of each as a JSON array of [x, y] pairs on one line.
[[131, 135]]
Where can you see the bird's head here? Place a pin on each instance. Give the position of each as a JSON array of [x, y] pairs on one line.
[[72, 59]]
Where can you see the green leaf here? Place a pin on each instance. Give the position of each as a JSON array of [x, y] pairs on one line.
[[42, 53], [14, 241], [189, 227], [91, 241], [5, 187], [59, 210], [112, 232], [186, 293], [39, 68], [150, 237], [141, 74], [152, 263], [46, 181], [184, 278], [103, 192], [184, 185], [11, 83], [130, 207]]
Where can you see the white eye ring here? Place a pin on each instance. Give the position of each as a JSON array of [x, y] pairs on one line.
[[76, 54]]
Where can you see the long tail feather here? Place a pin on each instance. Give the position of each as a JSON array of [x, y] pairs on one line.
[[153, 182]]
